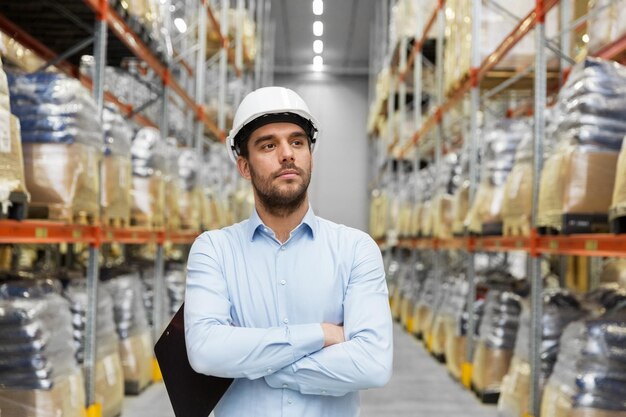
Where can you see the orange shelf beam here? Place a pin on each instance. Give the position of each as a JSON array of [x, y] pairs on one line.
[[601, 245], [33, 231], [49, 232], [584, 245]]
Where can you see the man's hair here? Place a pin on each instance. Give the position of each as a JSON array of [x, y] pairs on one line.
[[243, 136]]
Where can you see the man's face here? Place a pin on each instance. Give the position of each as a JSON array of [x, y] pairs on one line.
[[279, 165]]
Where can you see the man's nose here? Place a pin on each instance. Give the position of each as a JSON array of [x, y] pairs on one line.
[[286, 152]]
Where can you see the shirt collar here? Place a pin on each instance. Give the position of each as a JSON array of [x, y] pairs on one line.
[[255, 222]]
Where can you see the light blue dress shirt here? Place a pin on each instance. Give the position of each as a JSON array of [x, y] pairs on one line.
[[253, 308]]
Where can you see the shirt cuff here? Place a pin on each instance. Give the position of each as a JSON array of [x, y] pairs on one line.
[[305, 339], [284, 378]]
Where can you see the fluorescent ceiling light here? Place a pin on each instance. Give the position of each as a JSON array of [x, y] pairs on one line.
[[318, 46], [180, 25], [318, 28], [318, 63], [318, 7]]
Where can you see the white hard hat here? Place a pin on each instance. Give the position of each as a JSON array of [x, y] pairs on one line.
[[270, 105]]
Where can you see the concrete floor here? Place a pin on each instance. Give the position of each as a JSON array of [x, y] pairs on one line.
[[420, 387]]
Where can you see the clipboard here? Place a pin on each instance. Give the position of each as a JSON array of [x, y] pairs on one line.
[[192, 394]]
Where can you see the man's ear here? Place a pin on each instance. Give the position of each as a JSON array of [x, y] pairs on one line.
[[244, 167]]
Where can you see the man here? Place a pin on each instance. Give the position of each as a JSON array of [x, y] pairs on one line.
[[294, 307]]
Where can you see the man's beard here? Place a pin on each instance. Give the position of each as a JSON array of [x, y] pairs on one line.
[[278, 202]]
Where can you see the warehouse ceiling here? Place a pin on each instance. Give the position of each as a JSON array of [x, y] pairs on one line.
[[346, 35]]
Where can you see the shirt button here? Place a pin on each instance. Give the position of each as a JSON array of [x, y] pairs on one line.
[[282, 248], [286, 320], [285, 386], [323, 391], [269, 370], [289, 402], [283, 282]]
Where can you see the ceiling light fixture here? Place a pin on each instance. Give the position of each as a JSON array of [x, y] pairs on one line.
[[318, 63], [318, 46], [318, 28], [318, 7], [180, 24]]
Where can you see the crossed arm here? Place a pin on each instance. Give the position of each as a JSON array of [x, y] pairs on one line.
[[310, 358]]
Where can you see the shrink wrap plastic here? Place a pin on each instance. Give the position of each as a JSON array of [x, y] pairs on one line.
[[109, 383], [235, 20], [190, 203], [132, 328], [147, 295], [116, 167], [54, 108], [501, 143], [618, 201], [149, 164], [62, 142], [175, 282], [579, 177], [39, 375], [560, 308], [11, 158], [589, 378], [497, 333]]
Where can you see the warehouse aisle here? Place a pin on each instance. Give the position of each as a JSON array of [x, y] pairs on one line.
[[420, 387]]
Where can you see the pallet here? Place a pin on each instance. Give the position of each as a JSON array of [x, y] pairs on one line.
[[492, 229], [146, 222], [133, 388], [18, 210], [618, 225], [516, 227], [64, 214], [585, 223], [484, 396], [116, 222]]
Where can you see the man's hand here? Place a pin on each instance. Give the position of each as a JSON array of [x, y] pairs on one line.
[[333, 334]]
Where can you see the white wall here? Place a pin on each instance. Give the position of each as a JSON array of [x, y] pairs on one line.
[[338, 190]]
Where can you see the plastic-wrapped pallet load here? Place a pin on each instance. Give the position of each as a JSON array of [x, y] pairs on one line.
[[148, 192], [62, 145], [191, 194], [12, 181], [460, 198], [494, 348], [109, 384], [589, 378], [578, 178], [501, 141], [456, 340], [147, 295], [133, 330], [116, 172], [442, 215], [442, 319], [175, 282], [410, 287], [617, 211], [39, 376], [172, 185], [559, 309]]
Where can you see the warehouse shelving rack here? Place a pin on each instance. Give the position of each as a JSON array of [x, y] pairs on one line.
[[592, 245], [109, 20]]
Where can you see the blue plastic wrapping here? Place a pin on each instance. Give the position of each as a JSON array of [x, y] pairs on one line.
[[54, 108]]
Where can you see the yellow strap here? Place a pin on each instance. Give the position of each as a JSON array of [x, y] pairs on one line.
[[156, 371], [94, 410], [528, 415], [466, 374], [429, 342], [409, 325]]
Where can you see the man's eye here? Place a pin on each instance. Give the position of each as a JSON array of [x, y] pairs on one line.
[[268, 146], [297, 142]]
